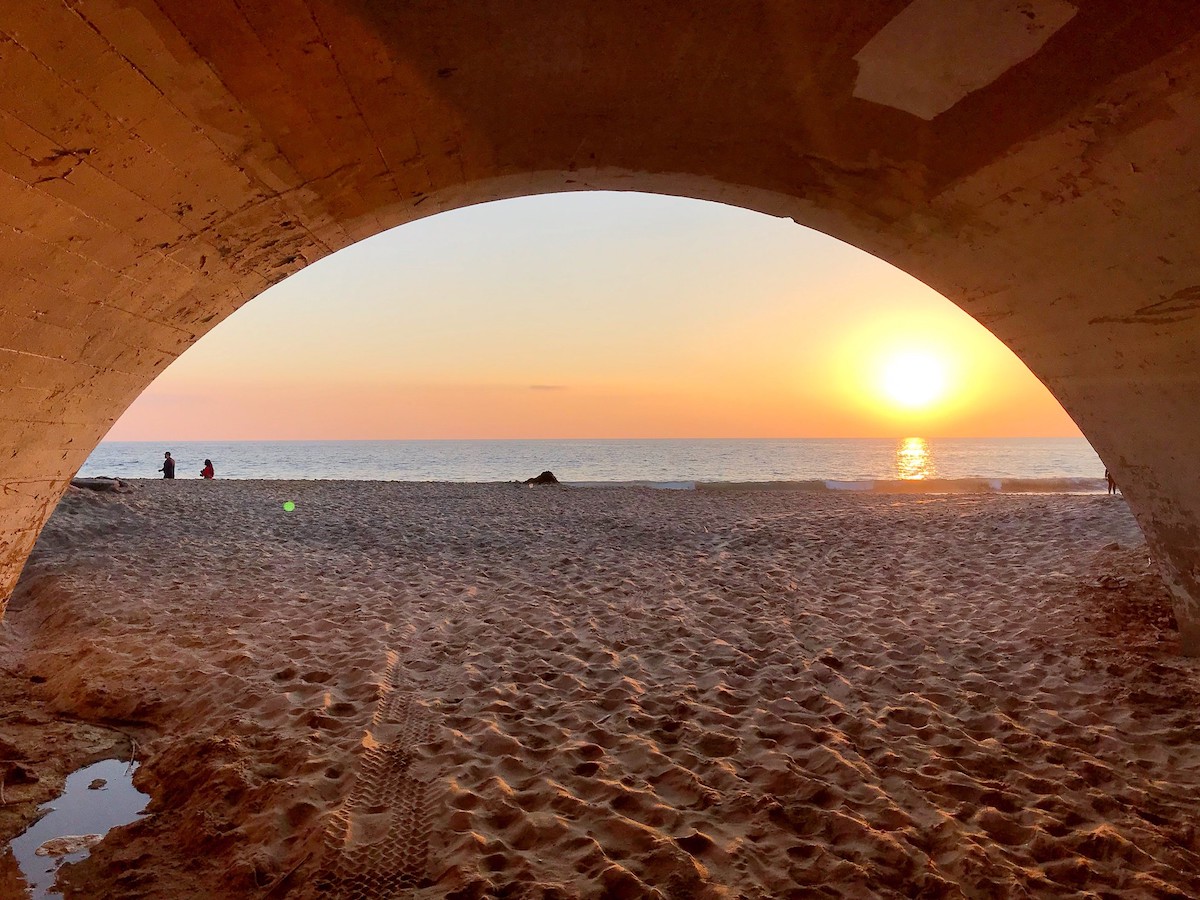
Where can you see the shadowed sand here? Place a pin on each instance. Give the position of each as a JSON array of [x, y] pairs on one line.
[[473, 691]]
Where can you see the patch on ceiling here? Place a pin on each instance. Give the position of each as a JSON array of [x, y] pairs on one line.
[[936, 52]]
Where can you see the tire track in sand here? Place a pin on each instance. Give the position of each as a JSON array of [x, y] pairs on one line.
[[378, 841]]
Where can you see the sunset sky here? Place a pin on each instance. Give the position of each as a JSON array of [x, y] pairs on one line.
[[596, 315]]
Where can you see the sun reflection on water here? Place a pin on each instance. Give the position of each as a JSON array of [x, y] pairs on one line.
[[913, 459]]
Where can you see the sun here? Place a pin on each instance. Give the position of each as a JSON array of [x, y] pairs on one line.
[[913, 379]]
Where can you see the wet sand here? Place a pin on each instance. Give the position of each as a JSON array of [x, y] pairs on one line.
[[472, 691]]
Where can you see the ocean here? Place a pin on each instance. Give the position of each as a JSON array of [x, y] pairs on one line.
[[985, 464]]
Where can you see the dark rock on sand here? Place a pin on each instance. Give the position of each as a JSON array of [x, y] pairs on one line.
[[546, 477], [102, 484]]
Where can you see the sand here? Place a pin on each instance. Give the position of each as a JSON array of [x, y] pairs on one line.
[[470, 691]]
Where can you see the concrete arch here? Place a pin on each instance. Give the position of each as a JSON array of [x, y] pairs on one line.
[[163, 161]]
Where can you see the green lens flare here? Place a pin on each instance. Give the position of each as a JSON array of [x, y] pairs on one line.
[[288, 505]]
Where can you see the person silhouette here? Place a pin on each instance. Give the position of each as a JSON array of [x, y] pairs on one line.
[[1112, 482], [168, 466], [207, 471]]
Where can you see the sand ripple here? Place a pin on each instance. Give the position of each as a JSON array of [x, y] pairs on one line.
[[493, 691]]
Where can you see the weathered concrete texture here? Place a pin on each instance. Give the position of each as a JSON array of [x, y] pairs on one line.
[[161, 163], [937, 51]]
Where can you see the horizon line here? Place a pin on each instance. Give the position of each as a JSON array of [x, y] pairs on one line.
[[894, 437]]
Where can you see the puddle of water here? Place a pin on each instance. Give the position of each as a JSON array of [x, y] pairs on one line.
[[79, 810]]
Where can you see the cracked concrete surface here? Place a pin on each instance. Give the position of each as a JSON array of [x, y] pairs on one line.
[[164, 161]]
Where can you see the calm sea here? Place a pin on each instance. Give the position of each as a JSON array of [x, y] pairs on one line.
[[848, 464]]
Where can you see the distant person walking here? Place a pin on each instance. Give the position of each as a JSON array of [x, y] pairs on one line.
[[1112, 482], [168, 467], [207, 471]]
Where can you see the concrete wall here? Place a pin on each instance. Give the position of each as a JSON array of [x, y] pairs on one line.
[[161, 163]]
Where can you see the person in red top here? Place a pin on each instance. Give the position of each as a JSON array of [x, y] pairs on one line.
[[207, 471]]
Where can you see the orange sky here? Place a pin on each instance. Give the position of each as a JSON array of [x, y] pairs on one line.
[[590, 315]]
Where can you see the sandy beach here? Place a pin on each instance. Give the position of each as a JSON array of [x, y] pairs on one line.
[[471, 691]]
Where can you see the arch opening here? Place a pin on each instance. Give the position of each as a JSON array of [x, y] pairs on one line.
[[599, 315]]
